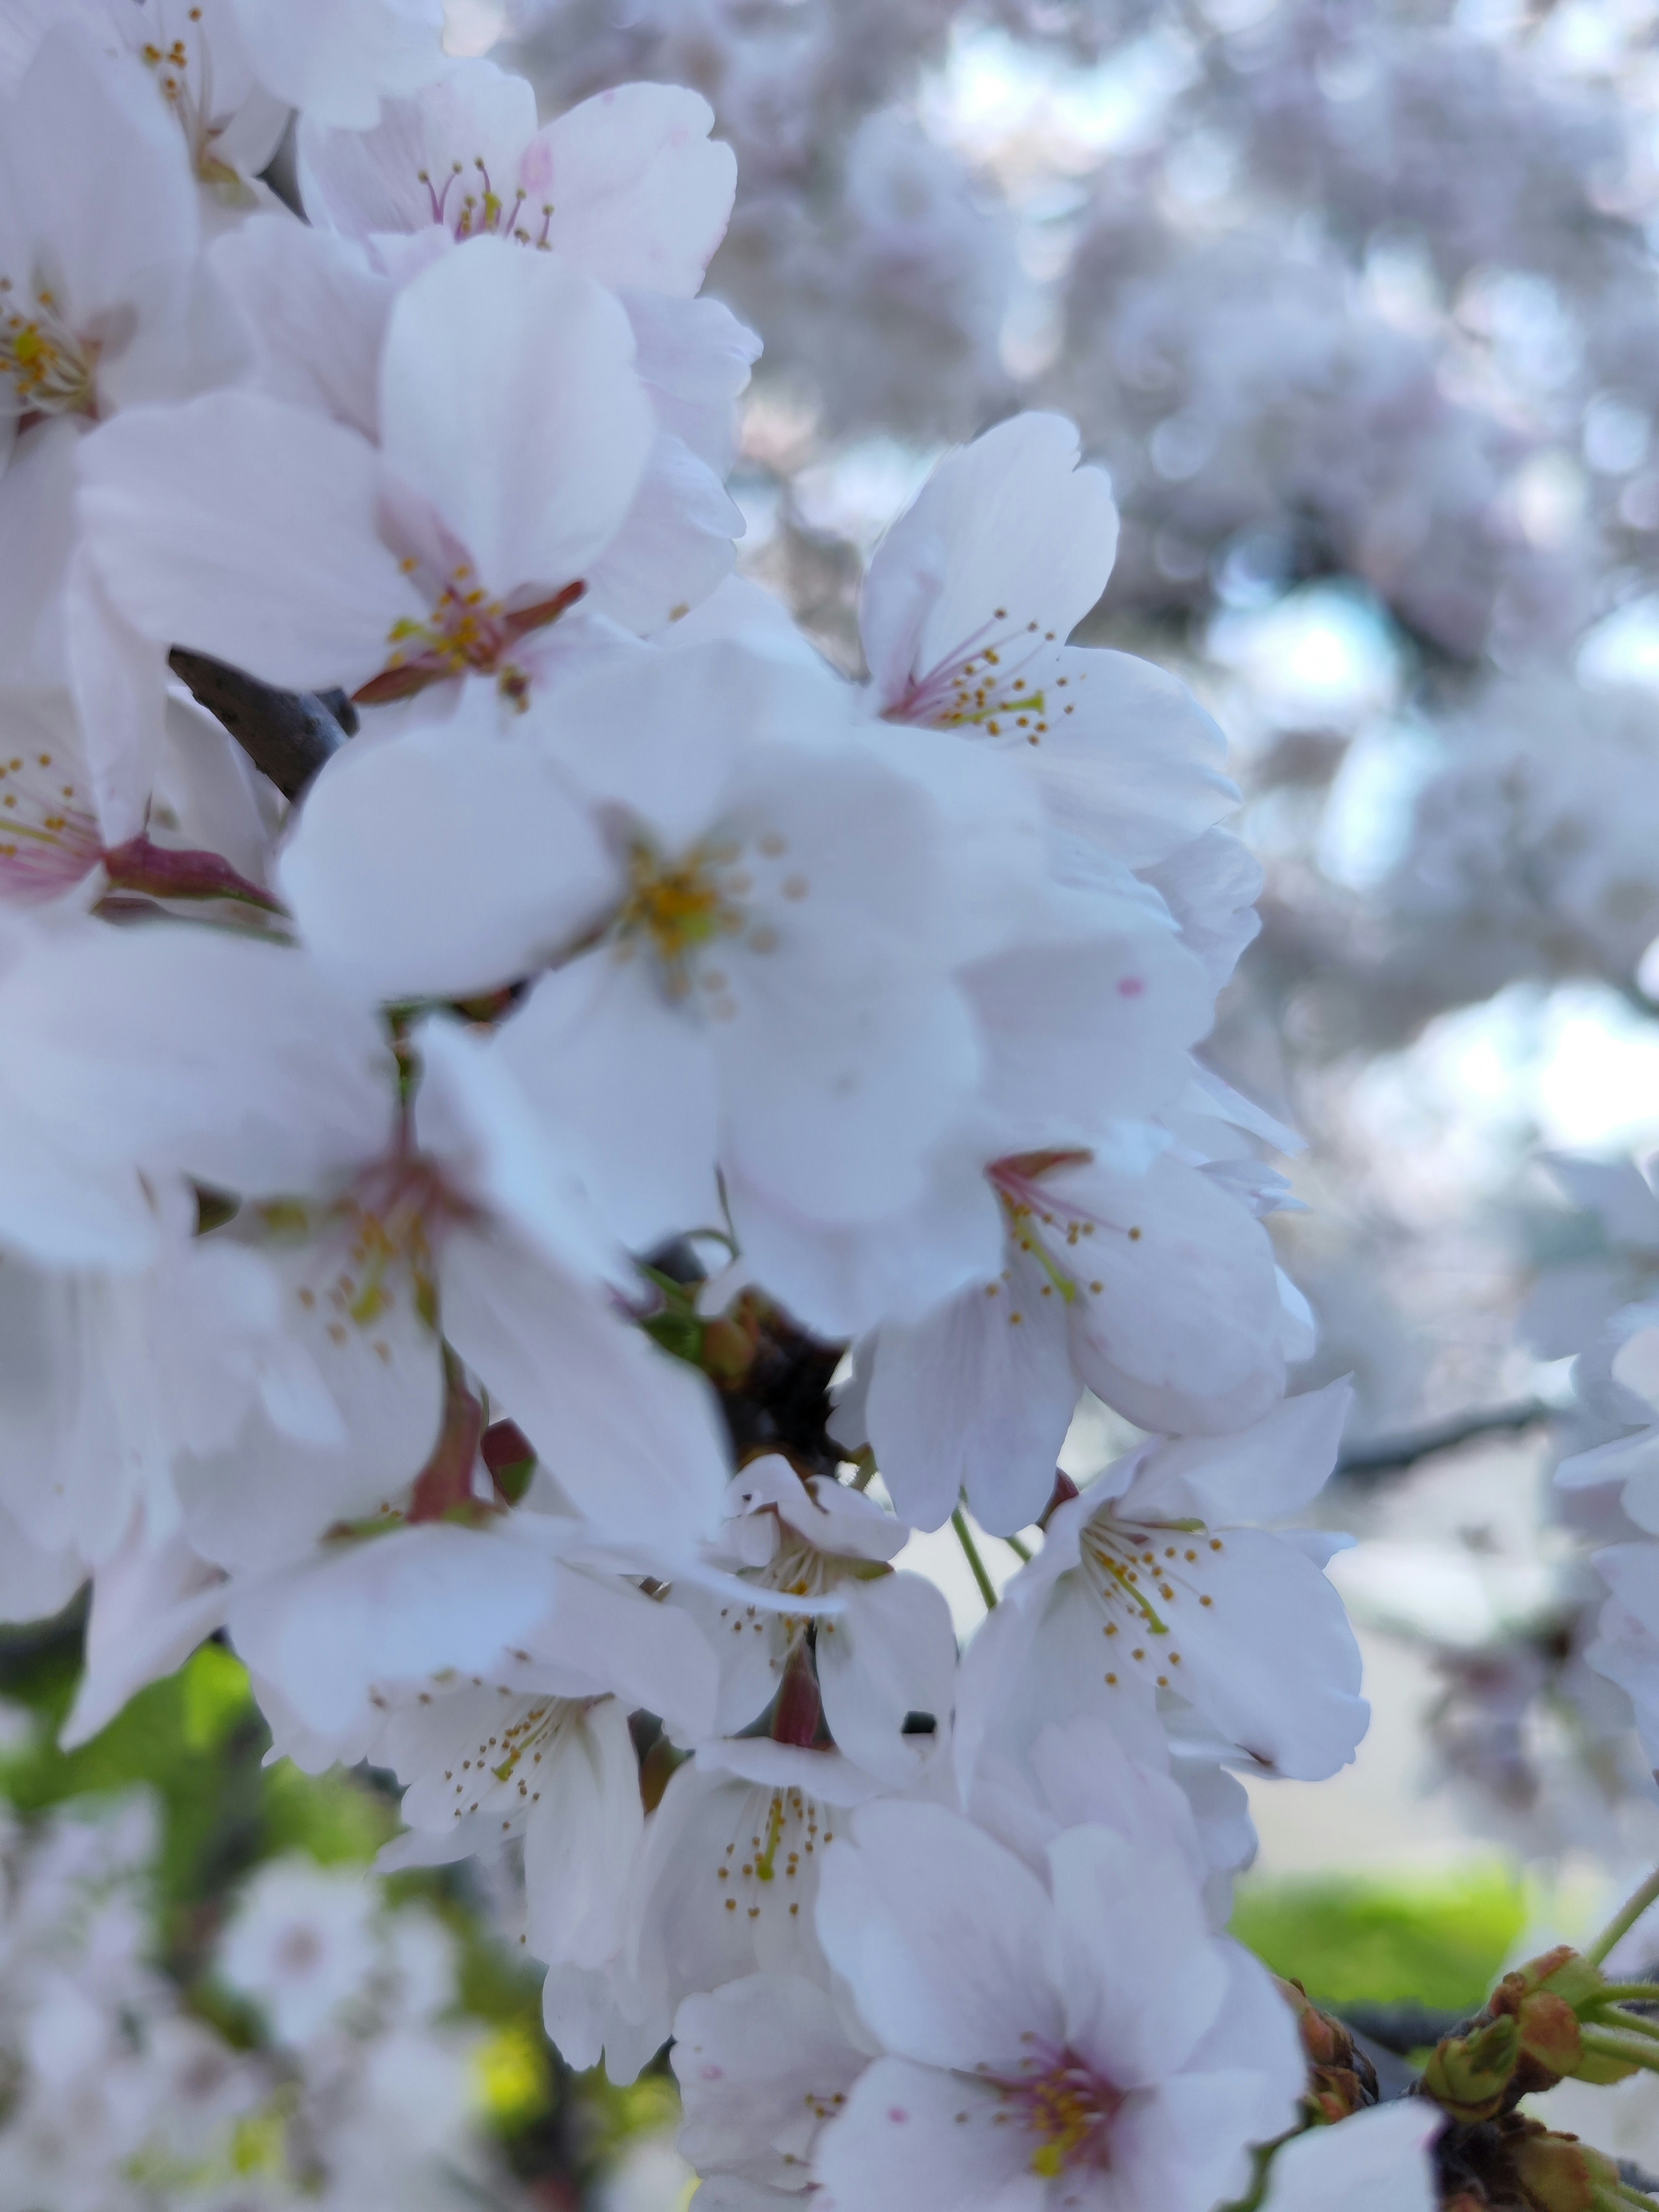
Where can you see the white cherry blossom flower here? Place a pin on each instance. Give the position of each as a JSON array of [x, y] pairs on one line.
[[773, 994], [1083, 2042], [967, 604], [1147, 1591], [1151, 1285], [98, 305], [301, 1944], [761, 2064], [627, 187], [512, 434]]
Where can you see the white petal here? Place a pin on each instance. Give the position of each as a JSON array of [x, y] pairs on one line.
[[318, 310], [246, 529], [630, 1084], [580, 1842], [1375, 2161], [1142, 1975], [1257, 1473], [508, 399], [941, 1935], [1016, 534], [630, 1435], [911, 2140], [972, 1397], [892, 1653], [640, 194], [1272, 1659], [338, 58], [442, 862], [394, 1608]]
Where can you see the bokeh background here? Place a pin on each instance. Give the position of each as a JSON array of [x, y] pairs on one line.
[[1358, 304]]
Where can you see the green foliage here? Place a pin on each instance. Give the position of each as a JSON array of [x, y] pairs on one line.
[[1437, 1940]]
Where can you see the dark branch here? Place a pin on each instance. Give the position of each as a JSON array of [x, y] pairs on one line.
[[1392, 1455], [287, 735]]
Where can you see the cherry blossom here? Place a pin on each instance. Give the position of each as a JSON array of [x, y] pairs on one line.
[[1082, 2040]]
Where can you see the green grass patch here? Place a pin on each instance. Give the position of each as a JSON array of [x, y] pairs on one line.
[[1437, 1939]]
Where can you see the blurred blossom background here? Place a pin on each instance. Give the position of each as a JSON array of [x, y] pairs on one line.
[[1357, 302]]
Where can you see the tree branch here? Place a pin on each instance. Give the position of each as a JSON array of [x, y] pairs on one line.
[[1387, 1456], [287, 735]]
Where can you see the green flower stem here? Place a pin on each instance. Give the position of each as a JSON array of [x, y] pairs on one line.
[[1628, 1993], [1632, 2050], [1624, 1920], [970, 1553], [1023, 1554], [1627, 2195], [1629, 2022]]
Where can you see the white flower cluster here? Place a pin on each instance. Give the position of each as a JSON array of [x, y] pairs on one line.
[[117, 2099], [535, 925]]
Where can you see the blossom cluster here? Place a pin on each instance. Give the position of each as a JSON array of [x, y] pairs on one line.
[[119, 2098], [546, 1131]]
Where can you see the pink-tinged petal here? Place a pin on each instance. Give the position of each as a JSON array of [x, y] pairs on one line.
[[49, 837], [760, 2063], [1007, 547], [942, 1937], [508, 400], [1084, 1032], [911, 2140], [244, 528], [640, 194]]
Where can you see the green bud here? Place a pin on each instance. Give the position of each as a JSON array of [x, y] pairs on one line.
[[1468, 2075]]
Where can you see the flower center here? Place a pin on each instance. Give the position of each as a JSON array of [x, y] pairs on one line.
[[680, 907], [1140, 1573], [506, 1768], [981, 686], [1050, 1232], [190, 96], [1066, 2108], [49, 369], [466, 633], [467, 204], [772, 1855], [48, 837]]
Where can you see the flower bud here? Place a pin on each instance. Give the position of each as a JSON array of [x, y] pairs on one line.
[[1550, 2045], [1469, 2075], [1561, 2174], [1341, 2080]]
